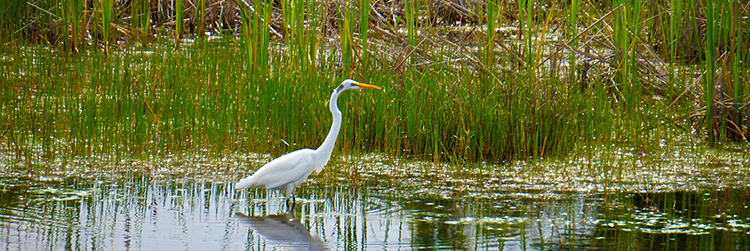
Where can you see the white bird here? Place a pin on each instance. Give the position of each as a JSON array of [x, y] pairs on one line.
[[290, 170]]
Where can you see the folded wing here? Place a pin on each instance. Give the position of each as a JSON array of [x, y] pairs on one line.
[[291, 168]]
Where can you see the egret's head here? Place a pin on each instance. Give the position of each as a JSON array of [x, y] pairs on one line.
[[351, 84]]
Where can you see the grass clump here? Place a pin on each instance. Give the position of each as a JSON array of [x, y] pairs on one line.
[[463, 83]]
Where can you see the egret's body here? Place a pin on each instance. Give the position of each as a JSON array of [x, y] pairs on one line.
[[290, 170]]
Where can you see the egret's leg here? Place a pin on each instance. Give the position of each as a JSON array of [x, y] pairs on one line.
[[290, 193], [294, 202], [286, 200]]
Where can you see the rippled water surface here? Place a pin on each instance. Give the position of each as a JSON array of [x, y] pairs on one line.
[[618, 202]]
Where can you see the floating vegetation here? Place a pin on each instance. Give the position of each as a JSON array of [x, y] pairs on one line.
[[393, 202]]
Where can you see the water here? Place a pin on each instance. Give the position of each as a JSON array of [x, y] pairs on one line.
[[374, 202]]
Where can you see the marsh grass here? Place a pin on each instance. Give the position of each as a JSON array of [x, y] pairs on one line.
[[142, 103], [411, 14], [346, 20], [473, 97], [107, 11], [490, 33], [140, 19], [364, 22], [179, 13], [708, 88], [256, 36]]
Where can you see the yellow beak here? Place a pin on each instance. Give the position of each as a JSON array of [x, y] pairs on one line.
[[361, 85]]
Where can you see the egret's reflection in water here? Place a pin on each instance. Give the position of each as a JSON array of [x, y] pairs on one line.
[[283, 231]]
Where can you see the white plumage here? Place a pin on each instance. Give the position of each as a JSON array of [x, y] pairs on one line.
[[290, 170]]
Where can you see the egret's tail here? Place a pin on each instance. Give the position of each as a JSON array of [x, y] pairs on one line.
[[244, 183]]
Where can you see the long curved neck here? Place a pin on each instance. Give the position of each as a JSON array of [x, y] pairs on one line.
[[326, 148]]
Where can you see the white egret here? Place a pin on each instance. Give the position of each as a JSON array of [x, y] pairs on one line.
[[288, 171]]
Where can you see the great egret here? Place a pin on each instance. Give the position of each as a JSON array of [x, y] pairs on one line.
[[288, 171]]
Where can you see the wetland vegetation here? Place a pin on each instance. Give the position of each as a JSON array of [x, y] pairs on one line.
[[612, 125]]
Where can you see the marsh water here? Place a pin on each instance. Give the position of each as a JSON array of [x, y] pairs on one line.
[[689, 201]]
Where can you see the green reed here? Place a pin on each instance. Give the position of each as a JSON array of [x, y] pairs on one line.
[[310, 38], [490, 34], [572, 18], [731, 29], [157, 103], [13, 15], [107, 10], [739, 69], [528, 26], [294, 12], [256, 37], [73, 17], [179, 12], [201, 98], [364, 20], [710, 67], [346, 21], [673, 36], [140, 19], [411, 14], [200, 12]]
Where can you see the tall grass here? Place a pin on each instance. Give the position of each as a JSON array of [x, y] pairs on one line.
[[73, 17], [708, 88], [571, 31], [673, 36], [411, 14], [107, 11], [179, 12], [140, 19], [346, 21], [739, 70], [13, 15], [158, 103], [200, 12], [447, 103], [293, 25], [491, 20], [256, 37], [364, 22]]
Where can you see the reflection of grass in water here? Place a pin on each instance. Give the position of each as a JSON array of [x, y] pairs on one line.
[[437, 202], [694, 220]]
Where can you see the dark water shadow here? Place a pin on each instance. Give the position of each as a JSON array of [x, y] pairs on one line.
[[283, 231]]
